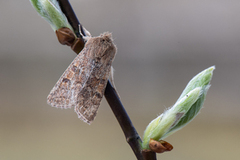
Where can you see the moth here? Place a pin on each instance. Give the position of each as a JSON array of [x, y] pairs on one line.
[[83, 83]]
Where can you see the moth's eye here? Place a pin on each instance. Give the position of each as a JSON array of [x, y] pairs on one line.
[[105, 40], [102, 41]]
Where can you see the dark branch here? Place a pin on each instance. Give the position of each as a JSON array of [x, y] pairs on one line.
[[149, 155], [130, 133]]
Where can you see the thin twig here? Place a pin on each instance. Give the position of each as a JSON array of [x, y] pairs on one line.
[[131, 134], [114, 102]]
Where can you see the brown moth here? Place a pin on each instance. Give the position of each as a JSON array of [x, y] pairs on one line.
[[83, 83]]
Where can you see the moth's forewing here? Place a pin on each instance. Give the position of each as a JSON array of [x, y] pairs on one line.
[[64, 93], [83, 83]]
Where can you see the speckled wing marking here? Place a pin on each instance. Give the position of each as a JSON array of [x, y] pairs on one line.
[[64, 93], [93, 93], [83, 83]]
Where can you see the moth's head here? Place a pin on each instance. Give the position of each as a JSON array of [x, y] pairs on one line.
[[102, 47]]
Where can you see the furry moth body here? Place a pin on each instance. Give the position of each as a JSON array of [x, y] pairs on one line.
[[83, 83]]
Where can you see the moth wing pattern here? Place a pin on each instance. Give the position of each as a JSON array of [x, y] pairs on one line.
[[92, 94], [64, 93], [83, 83]]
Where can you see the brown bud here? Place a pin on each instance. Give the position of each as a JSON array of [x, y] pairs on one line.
[[65, 36], [78, 45], [160, 146], [167, 145]]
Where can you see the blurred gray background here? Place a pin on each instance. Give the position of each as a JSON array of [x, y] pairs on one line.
[[161, 46]]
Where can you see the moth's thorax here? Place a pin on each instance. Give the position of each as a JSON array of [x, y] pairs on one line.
[[102, 47]]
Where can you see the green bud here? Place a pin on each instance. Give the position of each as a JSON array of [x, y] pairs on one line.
[[51, 12], [183, 111]]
